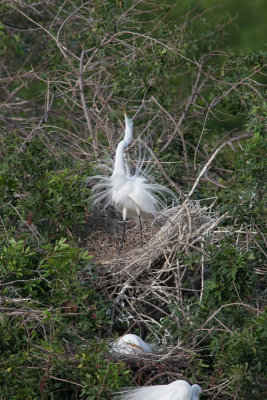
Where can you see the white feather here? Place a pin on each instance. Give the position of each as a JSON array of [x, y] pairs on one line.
[[177, 390], [130, 344]]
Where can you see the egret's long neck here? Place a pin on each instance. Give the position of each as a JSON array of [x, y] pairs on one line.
[[119, 163]]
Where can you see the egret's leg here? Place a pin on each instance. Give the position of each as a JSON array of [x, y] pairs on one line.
[[124, 216], [123, 236], [141, 231]]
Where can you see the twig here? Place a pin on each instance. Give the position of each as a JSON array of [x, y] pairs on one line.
[[41, 122], [228, 305], [204, 169], [85, 109]]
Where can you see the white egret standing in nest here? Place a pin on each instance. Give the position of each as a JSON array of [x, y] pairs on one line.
[[132, 344], [132, 195], [177, 390]]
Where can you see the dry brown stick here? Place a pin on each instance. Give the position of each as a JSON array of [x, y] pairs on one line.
[[261, 234], [168, 373], [228, 305], [261, 249], [41, 122], [202, 272], [184, 112], [158, 163], [154, 40], [233, 86], [36, 234], [200, 137], [177, 129], [15, 91], [204, 169], [62, 48], [65, 380], [85, 109]]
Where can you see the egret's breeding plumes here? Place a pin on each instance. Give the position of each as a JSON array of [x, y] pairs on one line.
[[177, 390], [132, 195], [132, 344]]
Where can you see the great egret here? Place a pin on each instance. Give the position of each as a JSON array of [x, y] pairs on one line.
[[177, 390], [130, 344], [132, 195]]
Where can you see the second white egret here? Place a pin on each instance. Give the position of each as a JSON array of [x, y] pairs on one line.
[[132, 344]]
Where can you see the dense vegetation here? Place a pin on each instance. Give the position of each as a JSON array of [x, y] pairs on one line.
[[66, 70]]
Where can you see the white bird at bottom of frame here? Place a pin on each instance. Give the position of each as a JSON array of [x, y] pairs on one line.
[[177, 390]]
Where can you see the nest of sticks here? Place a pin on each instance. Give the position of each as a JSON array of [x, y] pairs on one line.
[[142, 282], [162, 367]]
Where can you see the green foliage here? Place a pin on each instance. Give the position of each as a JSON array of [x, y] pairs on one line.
[[241, 354], [48, 350], [49, 343], [46, 370], [36, 190], [245, 197], [51, 276], [231, 276], [103, 377]]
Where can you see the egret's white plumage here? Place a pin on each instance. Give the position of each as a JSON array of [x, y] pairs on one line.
[[177, 390], [132, 195], [130, 344]]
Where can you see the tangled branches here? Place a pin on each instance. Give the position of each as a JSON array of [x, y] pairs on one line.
[[149, 278]]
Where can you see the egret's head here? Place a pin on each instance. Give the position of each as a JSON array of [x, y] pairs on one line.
[[196, 391], [128, 120]]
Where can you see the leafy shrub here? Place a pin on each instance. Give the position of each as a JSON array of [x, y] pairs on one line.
[[52, 313], [38, 188], [245, 196]]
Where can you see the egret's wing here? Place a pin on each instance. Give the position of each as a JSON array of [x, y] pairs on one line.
[[174, 391], [145, 200], [146, 393]]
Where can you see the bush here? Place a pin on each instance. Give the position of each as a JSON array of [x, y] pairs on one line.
[[50, 311], [42, 192], [51, 314]]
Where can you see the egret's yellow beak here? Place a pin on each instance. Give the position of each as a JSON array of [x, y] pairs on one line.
[[125, 113]]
